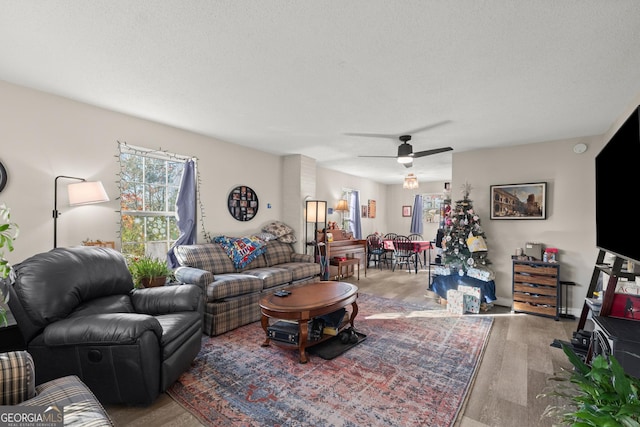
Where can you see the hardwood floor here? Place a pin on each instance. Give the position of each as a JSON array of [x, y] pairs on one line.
[[517, 362]]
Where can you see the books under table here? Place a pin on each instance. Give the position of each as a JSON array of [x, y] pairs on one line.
[[333, 321], [328, 324]]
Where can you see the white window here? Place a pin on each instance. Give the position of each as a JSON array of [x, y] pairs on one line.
[[149, 184]]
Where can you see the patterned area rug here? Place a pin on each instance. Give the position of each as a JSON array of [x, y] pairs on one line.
[[414, 369]]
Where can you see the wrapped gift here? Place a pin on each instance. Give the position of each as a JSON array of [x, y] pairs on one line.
[[441, 270], [483, 274], [455, 302], [470, 298]]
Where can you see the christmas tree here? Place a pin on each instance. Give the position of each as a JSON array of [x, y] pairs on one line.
[[464, 243]]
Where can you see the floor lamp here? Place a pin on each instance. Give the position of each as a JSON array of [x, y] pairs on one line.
[[80, 193], [315, 213]]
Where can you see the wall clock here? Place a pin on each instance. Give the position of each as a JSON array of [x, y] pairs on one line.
[[243, 203], [3, 176]]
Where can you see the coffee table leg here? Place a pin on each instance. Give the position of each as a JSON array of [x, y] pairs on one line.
[[303, 327], [354, 313], [265, 325]]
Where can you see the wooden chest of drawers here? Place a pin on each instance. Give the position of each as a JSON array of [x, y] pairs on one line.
[[536, 288]]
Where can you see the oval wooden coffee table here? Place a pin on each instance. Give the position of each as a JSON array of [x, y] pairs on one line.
[[305, 303]]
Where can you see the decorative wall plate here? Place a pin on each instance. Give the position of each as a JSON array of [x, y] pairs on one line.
[[243, 203]]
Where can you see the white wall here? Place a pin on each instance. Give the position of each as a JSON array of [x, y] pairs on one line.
[[398, 197], [329, 187], [570, 223], [43, 136]]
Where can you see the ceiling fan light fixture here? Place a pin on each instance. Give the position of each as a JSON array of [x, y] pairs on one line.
[[410, 182], [405, 159]]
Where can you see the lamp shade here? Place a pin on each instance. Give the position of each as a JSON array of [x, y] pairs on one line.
[[86, 193], [316, 211], [342, 205], [410, 182]]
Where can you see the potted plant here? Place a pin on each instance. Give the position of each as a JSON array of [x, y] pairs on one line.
[[8, 233], [148, 272], [598, 395]]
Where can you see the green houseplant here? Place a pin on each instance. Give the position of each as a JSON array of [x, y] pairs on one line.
[[598, 395], [8, 233], [149, 272]]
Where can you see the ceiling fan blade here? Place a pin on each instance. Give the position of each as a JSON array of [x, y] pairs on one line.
[[386, 157], [430, 152], [372, 135], [428, 127]]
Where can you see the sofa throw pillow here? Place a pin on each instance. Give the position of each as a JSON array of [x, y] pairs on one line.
[[277, 228], [207, 256], [278, 253], [265, 236], [241, 250], [288, 238]]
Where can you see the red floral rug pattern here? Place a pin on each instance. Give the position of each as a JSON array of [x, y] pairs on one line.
[[414, 369]]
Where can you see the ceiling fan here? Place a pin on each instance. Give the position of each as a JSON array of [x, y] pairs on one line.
[[406, 155], [405, 150]]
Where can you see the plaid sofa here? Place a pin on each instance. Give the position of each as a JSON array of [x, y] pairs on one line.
[[78, 404], [232, 294]]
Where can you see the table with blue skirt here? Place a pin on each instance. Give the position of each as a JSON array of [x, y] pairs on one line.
[[441, 284]]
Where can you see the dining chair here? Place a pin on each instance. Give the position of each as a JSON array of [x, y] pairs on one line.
[[388, 255], [414, 237], [375, 250], [404, 253]]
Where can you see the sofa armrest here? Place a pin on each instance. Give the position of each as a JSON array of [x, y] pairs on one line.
[[296, 257], [101, 329], [17, 377], [81, 407], [193, 276], [166, 299]]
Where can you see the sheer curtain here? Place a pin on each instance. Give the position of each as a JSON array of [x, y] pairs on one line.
[[416, 217], [355, 223], [185, 211]]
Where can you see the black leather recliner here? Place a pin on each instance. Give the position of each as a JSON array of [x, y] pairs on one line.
[[79, 314]]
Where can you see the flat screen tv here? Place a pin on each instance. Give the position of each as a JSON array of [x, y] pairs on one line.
[[617, 191]]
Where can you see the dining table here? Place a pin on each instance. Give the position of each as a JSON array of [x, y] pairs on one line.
[[419, 246]]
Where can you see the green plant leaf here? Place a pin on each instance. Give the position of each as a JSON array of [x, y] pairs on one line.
[[575, 360]]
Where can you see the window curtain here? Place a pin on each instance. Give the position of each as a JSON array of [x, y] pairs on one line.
[[185, 211], [416, 217], [355, 224]]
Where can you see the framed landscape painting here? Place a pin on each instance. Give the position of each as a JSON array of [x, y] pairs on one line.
[[519, 201]]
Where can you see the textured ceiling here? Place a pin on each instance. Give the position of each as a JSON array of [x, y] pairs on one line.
[[302, 77]]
